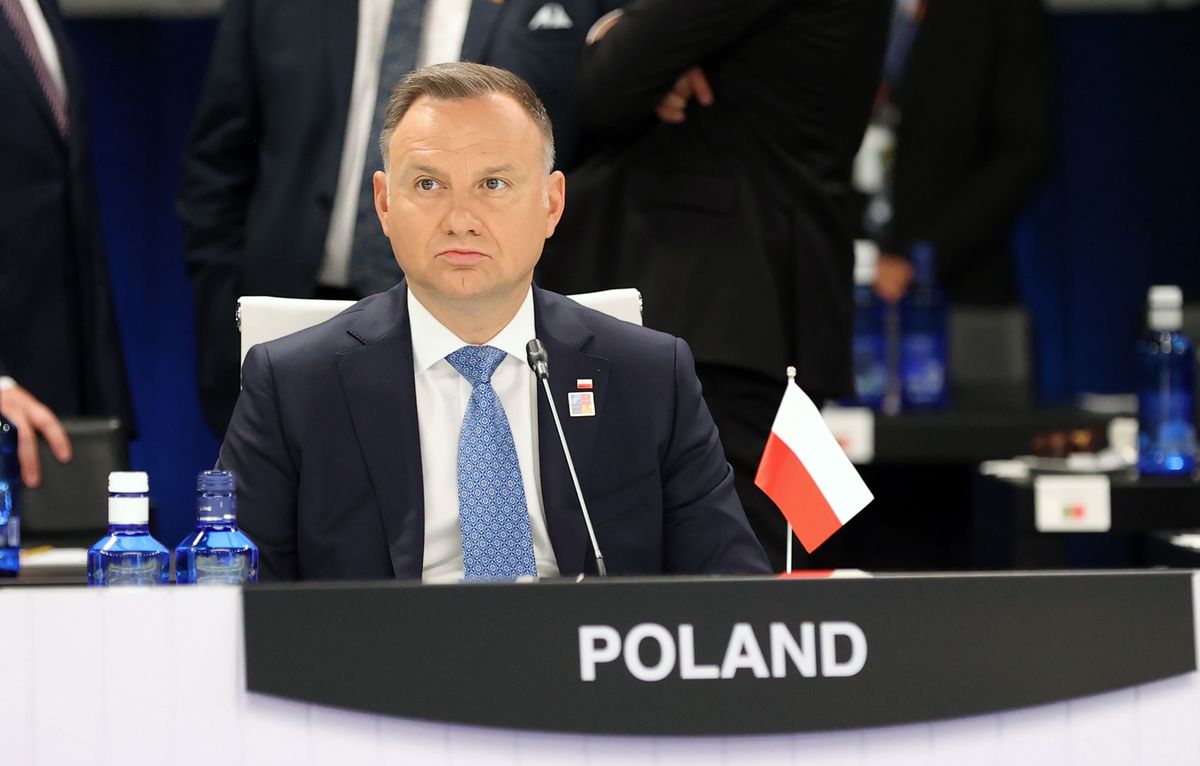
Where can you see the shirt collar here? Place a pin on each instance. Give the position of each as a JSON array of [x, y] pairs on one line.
[[432, 341]]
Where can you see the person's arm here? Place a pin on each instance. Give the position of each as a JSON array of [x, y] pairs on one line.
[[220, 168], [220, 163], [706, 530], [32, 418], [256, 452], [640, 58], [984, 207]]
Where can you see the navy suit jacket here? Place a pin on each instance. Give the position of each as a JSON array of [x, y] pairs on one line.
[[58, 333], [261, 167], [325, 447]]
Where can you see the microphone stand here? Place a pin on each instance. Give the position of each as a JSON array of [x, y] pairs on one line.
[[536, 355]]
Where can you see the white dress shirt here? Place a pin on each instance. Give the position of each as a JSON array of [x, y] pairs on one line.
[[442, 395], [45, 42], [442, 31]]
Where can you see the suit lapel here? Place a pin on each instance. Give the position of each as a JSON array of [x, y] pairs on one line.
[[14, 61], [564, 334], [377, 378], [482, 23]]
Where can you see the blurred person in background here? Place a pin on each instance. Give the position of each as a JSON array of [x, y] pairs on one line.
[[964, 117], [724, 196], [60, 354], [293, 96]]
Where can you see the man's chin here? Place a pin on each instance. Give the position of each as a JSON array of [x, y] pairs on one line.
[[466, 283]]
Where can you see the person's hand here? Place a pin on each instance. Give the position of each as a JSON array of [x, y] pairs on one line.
[[31, 417], [892, 278], [693, 85]]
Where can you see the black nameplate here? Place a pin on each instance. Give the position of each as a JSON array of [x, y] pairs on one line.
[[717, 656]]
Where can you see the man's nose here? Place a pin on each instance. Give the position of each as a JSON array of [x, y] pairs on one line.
[[460, 219]]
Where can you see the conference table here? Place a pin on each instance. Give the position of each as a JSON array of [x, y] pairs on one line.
[[1055, 520], [965, 434], [1031, 668], [921, 467]]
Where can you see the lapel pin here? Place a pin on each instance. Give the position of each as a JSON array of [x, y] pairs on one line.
[[583, 383], [582, 404]]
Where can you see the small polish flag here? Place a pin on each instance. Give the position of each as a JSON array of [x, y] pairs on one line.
[[806, 473]]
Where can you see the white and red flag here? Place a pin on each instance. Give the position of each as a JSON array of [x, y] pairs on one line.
[[806, 473]]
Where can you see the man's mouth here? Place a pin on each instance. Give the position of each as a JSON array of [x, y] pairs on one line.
[[461, 256]]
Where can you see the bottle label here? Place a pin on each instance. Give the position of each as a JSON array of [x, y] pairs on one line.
[[223, 568], [10, 531], [870, 369], [1165, 421], [133, 569], [923, 370], [1154, 406]]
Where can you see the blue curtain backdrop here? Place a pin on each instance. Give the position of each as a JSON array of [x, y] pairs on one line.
[[1122, 209], [144, 79], [1120, 212]]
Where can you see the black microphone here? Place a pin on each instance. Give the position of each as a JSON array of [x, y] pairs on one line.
[[535, 354], [539, 362]]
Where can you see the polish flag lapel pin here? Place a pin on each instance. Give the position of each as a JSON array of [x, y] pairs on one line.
[[582, 403]]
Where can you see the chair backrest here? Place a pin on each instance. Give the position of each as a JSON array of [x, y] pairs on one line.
[[263, 318], [990, 356], [70, 508]]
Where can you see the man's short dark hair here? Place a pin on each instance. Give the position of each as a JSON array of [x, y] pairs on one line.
[[460, 81]]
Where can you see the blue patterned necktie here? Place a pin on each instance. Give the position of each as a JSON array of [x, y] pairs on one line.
[[373, 268], [492, 515]]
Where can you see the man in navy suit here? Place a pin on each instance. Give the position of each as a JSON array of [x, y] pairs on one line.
[[290, 96], [360, 444], [59, 350]]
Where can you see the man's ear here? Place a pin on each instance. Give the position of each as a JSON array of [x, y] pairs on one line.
[[556, 199], [379, 182]]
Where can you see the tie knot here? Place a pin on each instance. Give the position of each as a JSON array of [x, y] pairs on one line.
[[476, 363]]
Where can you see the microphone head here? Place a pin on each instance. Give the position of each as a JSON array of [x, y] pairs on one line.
[[539, 362]]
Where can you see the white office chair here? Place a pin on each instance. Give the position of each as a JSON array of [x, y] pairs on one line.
[[262, 318]]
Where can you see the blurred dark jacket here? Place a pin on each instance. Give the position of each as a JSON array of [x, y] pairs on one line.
[[734, 224], [975, 139], [58, 332]]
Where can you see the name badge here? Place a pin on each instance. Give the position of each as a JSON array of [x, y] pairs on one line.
[[582, 404]]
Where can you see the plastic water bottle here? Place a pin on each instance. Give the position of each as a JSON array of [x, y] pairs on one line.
[[10, 501], [128, 555], [923, 336], [1166, 404], [217, 551], [870, 344]]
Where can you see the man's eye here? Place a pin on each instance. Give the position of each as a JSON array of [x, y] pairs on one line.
[[426, 184], [495, 184]]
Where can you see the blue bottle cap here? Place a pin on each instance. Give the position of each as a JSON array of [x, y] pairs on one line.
[[215, 481]]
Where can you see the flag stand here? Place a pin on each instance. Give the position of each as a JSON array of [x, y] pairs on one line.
[[791, 373], [789, 549]]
